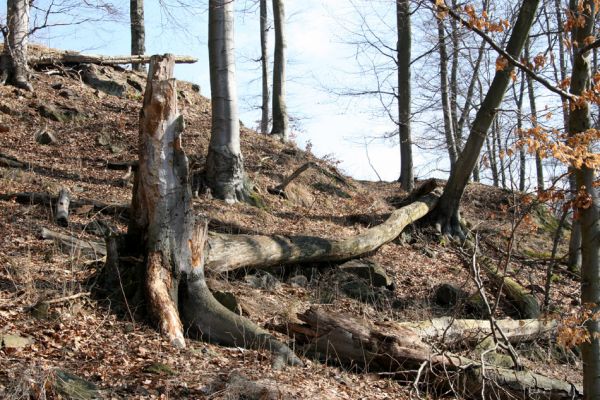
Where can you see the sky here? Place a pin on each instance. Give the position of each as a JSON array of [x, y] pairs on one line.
[[320, 61], [326, 61]]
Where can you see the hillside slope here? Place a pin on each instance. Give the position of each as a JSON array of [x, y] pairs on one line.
[[113, 347]]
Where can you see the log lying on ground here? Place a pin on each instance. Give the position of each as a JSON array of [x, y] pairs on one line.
[[86, 248], [46, 199], [524, 302], [230, 252], [397, 348], [75, 58], [451, 330], [280, 189]]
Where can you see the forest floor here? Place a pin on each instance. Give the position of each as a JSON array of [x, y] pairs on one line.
[[124, 356]]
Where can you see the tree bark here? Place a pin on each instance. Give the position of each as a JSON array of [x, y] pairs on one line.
[[74, 59], [15, 44], [399, 348], [539, 167], [138, 36], [446, 110], [447, 212], [224, 163], [407, 180], [231, 252], [589, 214], [280, 116], [264, 64], [165, 229]]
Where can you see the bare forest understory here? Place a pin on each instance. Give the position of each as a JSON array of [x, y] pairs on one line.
[[348, 274]]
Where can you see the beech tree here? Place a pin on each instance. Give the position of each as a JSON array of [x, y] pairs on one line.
[[587, 201], [13, 63], [225, 174], [138, 36], [280, 115], [447, 217], [404, 93], [264, 64]]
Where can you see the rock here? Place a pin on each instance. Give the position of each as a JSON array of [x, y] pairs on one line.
[[369, 270], [240, 387], [57, 86], [4, 128], [196, 88], [447, 295], [44, 137], [262, 280], [40, 310], [71, 386], [51, 112], [67, 93], [298, 281], [159, 369], [101, 80], [227, 299], [135, 84], [14, 341]]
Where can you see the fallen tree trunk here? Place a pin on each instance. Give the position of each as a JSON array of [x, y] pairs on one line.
[[450, 330], [75, 58], [230, 252], [280, 189], [88, 248], [29, 198], [399, 348]]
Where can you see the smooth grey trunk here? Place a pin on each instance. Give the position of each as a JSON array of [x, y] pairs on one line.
[[224, 163], [574, 258], [14, 57], [138, 35], [539, 167], [404, 94], [496, 135], [454, 41], [579, 121], [448, 217], [280, 116], [464, 115], [491, 149], [448, 128], [522, 158], [264, 64]]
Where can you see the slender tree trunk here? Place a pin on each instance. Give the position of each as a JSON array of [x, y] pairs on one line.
[[539, 167], [454, 41], [264, 63], [491, 149], [224, 163], [522, 159], [14, 63], [404, 93], [448, 217], [446, 107], [574, 259], [589, 215], [138, 36], [280, 115], [165, 229], [500, 151]]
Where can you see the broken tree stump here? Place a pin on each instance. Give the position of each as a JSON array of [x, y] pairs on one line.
[[62, 207]]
